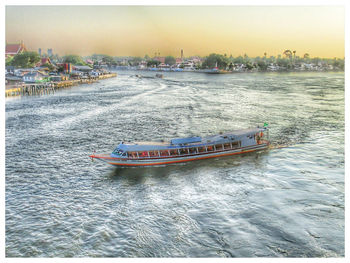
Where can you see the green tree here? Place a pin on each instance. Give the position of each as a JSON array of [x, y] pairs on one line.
[[60, 68], [282, 62], [135, 61], [262, 65], [55, 58], [271, 59], [338, 63], [25, 59], [108, 60], [74, 59], [49, 66], [152, 62], [170, 60], [95, 57], [8, 61], [238, 60], [249, 66], [230, 66], [215, 60], [288, 53], [316, 60]]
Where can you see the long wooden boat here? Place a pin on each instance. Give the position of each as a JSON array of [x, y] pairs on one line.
[[187, 149]]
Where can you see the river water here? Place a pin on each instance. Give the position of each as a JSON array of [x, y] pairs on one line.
[[284, 202]]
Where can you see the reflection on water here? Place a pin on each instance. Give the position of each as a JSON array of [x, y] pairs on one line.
[[284, 202]]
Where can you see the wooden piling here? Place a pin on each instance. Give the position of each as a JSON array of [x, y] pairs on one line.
[[48, 88]]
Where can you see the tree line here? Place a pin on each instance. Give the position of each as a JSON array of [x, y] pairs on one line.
[[289, 59]]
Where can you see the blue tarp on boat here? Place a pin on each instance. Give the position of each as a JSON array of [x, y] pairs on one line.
[[186, 140]]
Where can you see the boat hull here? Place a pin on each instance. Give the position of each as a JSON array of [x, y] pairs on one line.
[[125, 162]]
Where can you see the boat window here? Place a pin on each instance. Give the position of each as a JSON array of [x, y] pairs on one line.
[[143, 154], [117, 151], [227, 146], [153, 153], [174, 152], [164, 153], [193, 150], [210, 148], [183, 151], [201, 149], [132, 154], [218, 147], [235, 144]]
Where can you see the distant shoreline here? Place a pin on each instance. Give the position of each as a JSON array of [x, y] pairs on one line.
[[224, 72]]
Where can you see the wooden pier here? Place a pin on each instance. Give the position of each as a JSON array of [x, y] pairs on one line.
[[31, 89]]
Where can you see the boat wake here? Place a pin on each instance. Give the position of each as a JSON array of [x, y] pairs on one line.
[[278, 146]]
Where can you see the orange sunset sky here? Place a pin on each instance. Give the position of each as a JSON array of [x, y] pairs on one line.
[[198, 30]]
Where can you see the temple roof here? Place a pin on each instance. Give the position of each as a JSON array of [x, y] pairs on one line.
[[13, 49]]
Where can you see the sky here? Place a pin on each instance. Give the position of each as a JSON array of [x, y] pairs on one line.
[[165, 30]]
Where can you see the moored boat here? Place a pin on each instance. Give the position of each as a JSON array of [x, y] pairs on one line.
[[212, 71], [187, 149]]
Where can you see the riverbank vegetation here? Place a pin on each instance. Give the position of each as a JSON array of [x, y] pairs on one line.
[[289, 60]]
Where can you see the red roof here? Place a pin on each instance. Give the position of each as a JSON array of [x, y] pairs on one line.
[[43, 61], [160, 59], [13, 49]]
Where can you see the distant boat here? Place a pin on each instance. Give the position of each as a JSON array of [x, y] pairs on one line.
[[216, 71], [186, 149], [212, 71]]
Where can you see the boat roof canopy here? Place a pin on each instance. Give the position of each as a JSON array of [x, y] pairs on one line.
[[180, 142], [247, 131], [140, 147], [186, 140]]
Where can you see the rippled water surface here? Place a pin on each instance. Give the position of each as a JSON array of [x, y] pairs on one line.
[[285, 202]]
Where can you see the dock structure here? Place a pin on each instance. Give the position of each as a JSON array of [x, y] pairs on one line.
[[31, 89]]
